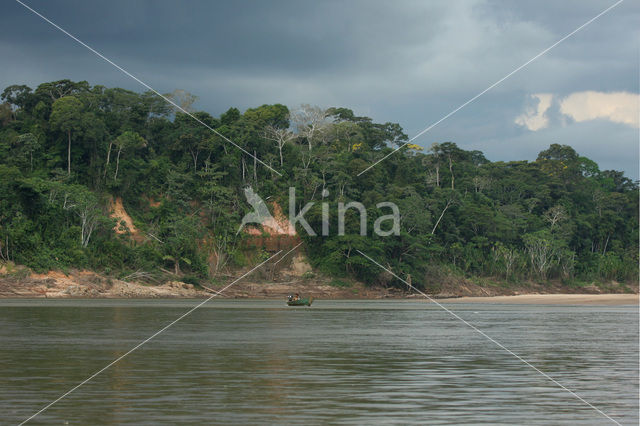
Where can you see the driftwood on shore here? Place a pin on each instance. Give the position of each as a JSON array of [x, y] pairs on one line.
[[213, 291]]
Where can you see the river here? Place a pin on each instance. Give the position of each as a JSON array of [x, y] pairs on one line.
[[346, 362]]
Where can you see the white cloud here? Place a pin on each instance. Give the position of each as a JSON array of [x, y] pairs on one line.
[[535, 118], [618, 107]]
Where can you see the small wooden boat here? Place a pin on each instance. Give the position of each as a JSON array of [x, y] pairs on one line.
[[306, 301]]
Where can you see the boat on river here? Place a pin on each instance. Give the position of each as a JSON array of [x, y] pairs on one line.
[[304, 301]]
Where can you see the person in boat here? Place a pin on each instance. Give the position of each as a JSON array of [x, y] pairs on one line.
[[289, 298], [296, 297]]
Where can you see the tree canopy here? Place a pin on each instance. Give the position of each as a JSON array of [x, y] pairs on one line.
[[68, 148]]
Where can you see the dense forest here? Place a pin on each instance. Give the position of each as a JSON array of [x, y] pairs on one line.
[[68, 149]]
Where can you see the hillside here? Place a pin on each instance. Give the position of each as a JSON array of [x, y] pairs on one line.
[[116, 182]]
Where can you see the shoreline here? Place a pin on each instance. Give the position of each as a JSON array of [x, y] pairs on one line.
[[75, 284], [612, 299]]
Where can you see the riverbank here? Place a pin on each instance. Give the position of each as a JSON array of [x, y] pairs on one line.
[[553, 299], [22, 283]]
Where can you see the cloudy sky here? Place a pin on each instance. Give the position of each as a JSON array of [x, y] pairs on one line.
[[410, 62]]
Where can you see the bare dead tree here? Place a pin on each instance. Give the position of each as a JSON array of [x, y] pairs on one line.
[[86, 206], [541, 252], [280, 136], [310, 122], [182, 98], [555, 215]]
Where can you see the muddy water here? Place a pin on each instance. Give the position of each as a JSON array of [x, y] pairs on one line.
[[348, 362]]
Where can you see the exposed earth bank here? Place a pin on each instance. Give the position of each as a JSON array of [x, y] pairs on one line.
[[18, 282]]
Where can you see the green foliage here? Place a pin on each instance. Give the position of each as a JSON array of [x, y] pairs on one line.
[[67, 149], [339, 283], [191, 279], [309, 275]]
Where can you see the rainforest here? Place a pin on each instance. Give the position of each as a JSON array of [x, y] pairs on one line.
[[72, 154]]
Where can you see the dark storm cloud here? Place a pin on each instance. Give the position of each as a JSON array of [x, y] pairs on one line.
[[408, 62]]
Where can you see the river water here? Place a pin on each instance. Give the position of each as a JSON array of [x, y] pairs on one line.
[[345, 362]]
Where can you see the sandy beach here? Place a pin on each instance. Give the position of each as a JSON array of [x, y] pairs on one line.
[[553, 299]]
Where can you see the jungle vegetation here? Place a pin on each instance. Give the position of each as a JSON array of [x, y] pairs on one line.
[[67, 149]]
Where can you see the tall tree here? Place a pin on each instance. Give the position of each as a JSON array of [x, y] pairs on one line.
[[127, 140], [66, 115]]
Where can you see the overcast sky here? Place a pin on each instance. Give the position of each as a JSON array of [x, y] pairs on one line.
[[410, 62]]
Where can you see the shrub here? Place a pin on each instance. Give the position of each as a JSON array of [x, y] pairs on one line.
[[339, 283]]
